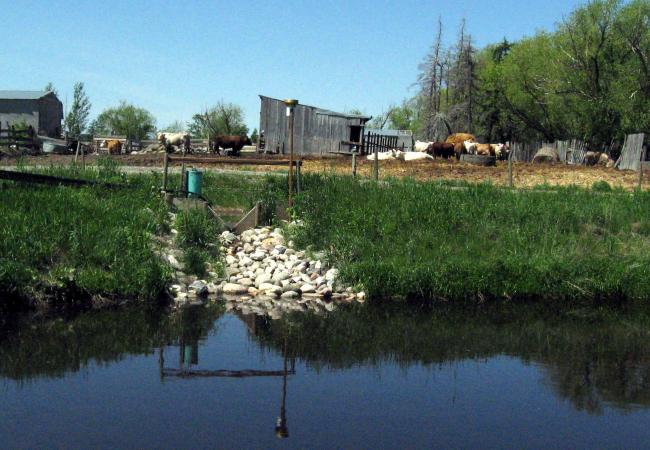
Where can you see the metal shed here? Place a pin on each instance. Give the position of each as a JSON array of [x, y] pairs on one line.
[[42, 110], [317, 131]]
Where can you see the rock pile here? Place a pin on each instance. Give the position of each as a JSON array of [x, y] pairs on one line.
[[259, 262], [263, 275]]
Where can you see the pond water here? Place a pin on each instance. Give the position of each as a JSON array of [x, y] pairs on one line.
[[381, 376]]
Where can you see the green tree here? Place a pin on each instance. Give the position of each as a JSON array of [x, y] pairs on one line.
[[254, 136], [176, 126], [221, 119], [125, 119], [49, 87], [77, 119]]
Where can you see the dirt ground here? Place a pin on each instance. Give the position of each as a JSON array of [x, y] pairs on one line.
[[524, 174]]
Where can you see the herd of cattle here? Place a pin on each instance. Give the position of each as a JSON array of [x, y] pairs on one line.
[[459, 144], [172, 142]]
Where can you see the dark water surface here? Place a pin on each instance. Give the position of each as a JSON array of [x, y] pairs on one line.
[[367, 377]]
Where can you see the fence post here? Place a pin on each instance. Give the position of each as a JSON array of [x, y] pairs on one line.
[[354, 164], [376, 164], [298, 164], [641, 169], [510, 183], [165, 168]]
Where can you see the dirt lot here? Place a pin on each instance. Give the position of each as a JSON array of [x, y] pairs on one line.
[[525, 175]]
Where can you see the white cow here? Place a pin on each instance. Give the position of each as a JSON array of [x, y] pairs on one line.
[[416, 156], [421, 146], [171, 138], [470, 146]]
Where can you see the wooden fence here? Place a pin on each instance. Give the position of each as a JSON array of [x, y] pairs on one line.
[[20, 138], [633, 153], [380, 143], [137, 145]]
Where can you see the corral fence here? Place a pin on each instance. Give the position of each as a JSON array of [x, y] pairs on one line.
[[573, 152], [135, 145], [20, 138], [374, 142]]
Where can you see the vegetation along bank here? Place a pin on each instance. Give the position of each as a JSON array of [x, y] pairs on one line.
[[478, 242]]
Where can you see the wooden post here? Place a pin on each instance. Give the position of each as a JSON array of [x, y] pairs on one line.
[[298, 164], [183, 187], [83, 158], [165, 168], [354, 164], [641, 161], [76, 155], [510, 183], [376, 164], [290, 112]]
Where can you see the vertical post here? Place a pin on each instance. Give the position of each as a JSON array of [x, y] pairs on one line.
[[290, 157], [354, 164], [183, 181], [83, 157], [375, 167], [165, 169], [640, 184], [76, 154], [298, 164], [290, 114], [510, 183]]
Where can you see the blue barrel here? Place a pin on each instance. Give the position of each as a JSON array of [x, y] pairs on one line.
[[194, 180]]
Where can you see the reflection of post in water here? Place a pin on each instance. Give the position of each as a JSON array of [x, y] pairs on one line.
[[281, 428]]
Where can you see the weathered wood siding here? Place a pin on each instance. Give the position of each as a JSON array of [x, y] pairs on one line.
[[631, 153], [316, 131]]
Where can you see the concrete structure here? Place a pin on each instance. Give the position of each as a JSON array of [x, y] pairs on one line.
[[42, 110], [317, 131]]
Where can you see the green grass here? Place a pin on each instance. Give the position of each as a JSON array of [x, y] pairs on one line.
[[197, 235], [405, 238], [82, 241]]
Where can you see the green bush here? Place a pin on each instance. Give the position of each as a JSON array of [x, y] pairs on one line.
[[601, 186]]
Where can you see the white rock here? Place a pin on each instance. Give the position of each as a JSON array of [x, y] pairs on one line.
[[233, 288], [307, 289], [331, 274], [289, 295], [199, 287], [230, 260], [282, 275], [246, 282], [268, 287]]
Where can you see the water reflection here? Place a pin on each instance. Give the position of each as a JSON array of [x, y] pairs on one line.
[[593, 358]]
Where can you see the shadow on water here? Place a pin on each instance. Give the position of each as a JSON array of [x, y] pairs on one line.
[[591, 357]]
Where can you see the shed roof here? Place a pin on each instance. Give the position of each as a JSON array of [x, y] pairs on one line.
[[22, 95], [325, 112]]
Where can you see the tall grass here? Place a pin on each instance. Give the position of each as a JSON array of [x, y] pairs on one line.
[[197, 236], [85, 241], [479, 242]]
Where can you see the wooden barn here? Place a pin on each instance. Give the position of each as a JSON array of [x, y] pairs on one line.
[[317, 131], [42, 110]]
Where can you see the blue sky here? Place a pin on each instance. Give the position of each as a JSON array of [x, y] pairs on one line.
[[177, 57]]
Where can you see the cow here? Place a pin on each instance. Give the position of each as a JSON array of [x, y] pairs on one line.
[[236, 143], [484, 150], [177, 139], [470, 147], [459, 138], [441, 149], [421, 146], [114, 146]]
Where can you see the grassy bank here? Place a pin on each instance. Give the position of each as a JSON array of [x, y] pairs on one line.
[[74, 244], [479, 242]]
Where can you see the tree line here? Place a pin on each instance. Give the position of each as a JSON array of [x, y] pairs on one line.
[[137, 123], [589, 78]]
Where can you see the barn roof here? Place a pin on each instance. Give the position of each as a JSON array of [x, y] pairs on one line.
[[326, 112], [22, 95]]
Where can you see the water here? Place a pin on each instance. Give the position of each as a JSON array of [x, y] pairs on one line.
[[372, 377]]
